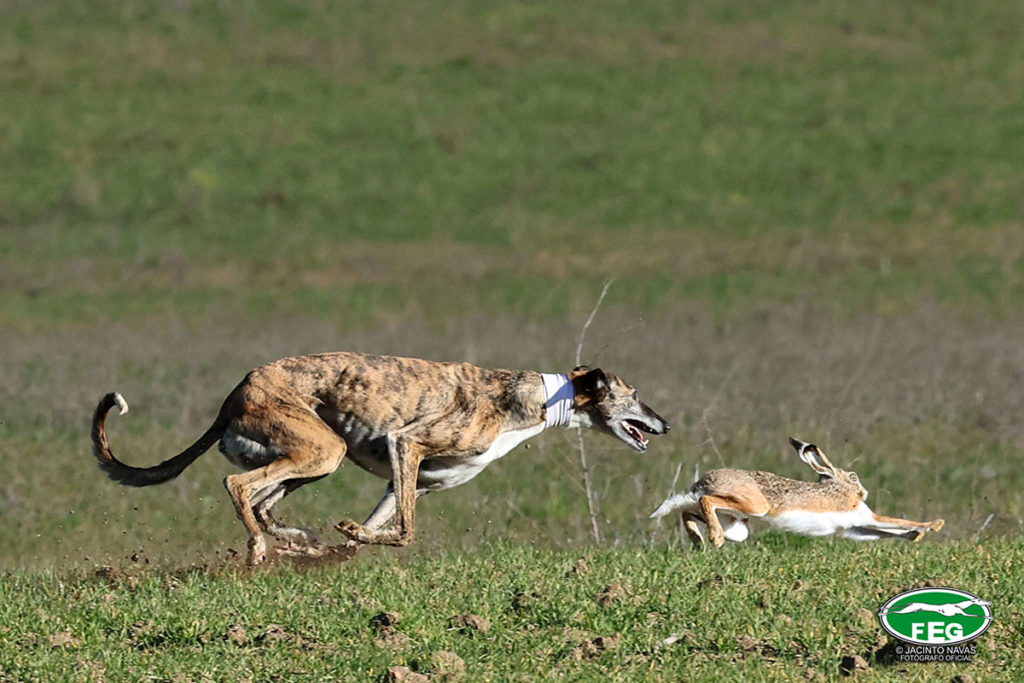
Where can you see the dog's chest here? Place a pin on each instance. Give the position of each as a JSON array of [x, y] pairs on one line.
[[447, 471]]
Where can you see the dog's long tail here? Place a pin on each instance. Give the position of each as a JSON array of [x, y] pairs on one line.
[[145, 476]]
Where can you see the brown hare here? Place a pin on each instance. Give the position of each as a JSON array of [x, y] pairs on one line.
[[832, 506]]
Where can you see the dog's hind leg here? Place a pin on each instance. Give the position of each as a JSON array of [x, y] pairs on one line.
[[309, 450], [298, 541]]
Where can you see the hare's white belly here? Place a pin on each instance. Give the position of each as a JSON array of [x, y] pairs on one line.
[[820, 523], [735, 529]]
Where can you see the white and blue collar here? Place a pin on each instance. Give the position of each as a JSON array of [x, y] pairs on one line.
[[558, 399]]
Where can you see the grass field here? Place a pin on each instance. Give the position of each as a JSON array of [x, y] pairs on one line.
[[621, 615], [811, 215]]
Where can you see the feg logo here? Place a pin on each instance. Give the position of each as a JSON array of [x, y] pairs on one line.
[[936, 616]]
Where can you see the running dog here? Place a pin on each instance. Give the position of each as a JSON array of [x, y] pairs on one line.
[[422, 425]]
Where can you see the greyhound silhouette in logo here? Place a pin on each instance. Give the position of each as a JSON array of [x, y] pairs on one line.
[[951, 609]]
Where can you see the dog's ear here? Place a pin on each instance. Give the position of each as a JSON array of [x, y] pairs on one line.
[[592, 382]]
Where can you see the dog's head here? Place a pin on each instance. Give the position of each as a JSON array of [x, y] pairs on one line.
[[606, 403]]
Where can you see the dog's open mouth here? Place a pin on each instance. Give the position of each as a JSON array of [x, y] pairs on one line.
[[633, 428]]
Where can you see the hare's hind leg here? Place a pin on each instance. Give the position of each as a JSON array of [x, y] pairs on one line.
[[864, 533], [709, 506], [881, 526], [690, 521], [891, 524], [740, 504]]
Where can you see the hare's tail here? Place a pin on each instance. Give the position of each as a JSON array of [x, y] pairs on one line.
[[681, 500]]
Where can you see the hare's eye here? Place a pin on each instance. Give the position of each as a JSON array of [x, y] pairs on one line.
[[854, 477]]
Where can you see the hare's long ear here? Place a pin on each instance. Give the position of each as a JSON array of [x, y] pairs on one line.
[[823, 459], [813, 456]]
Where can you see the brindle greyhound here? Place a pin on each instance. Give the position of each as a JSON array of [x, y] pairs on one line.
[[422, 425]]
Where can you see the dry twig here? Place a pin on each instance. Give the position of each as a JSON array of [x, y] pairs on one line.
[[587, 485]]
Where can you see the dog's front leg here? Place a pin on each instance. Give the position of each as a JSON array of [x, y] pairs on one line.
[[384, 512], [399, 501]]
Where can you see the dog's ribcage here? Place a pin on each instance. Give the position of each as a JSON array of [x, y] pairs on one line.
[[367, 447]]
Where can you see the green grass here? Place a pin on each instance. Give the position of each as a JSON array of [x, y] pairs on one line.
[[152, 144], [776, 610]]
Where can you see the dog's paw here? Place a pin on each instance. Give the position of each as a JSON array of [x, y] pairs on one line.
[[351, 529], [257, 552]]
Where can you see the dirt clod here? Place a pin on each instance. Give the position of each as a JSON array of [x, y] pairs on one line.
[[140, 628], [403, 674], [611, 594], [716, 580], [273, 634], [64, 639], [597, 646], [751, 645], [447, 665], [851, 665], [108, 573], [466, 623], [522, 600], [392, 640], [580, 568], [385, 622], [236, 634]]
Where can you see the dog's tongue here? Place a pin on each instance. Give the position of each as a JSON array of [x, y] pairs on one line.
[[635, 434]]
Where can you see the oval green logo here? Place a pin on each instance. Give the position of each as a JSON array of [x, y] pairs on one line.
[[936, 616]]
